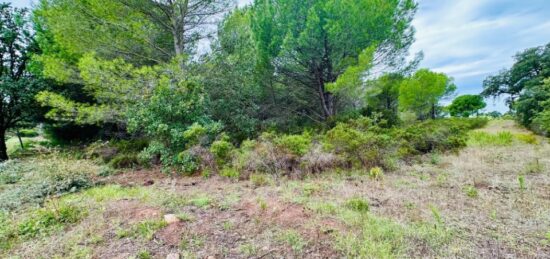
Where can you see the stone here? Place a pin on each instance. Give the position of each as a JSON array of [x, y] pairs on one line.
[[171, 218], [173, 256]]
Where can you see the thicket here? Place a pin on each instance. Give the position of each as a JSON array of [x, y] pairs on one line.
[[357, 143]]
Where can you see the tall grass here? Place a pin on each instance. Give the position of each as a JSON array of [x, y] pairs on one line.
[[481, 138]]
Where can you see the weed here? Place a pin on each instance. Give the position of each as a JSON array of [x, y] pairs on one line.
[[493, 215], [147, 229], [230, 173], [206, 173], [325, 208], [471, 191], [144, 254], [191, 241], [263, 204], [437, 216], [45, 220], [528, 138], [358, 204], [294, 240], [248, 250], [441, 179], [310, 189], [410, 205], [435, 159], [201, 201], [227, 225], [376, 173], [184, 217], [521, 181], [534, 167], [259, 180], [481, 138]]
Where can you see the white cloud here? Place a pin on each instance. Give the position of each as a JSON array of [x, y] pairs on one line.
[[470, 39]]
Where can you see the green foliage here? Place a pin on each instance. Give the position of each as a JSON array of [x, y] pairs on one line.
[[17, 86], [201, 201], [528, 138], [382, 98], [124, 161], [466, 105], [358, 144], [437, 135], [337, 37], [471, 191], [376, 173], [294, 240], [525, 87], [358, 204], [259, 180], [230, 173], [376, 237], [33, 180], [221, 149], [521, 182], [297, 145], [422, 92], [45, 220], [481, 138], [147, 229], [28, 133], [144, 254]]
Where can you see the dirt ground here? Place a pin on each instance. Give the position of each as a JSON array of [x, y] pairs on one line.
[[474, 195]]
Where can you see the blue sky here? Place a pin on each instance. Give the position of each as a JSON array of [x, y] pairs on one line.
[[471, 39]]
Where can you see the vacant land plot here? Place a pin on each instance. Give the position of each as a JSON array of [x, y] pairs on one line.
[[490, 200]]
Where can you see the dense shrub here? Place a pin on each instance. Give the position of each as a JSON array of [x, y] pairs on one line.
[[124, 161], [359, 143], [221, 149], [358, 148], [295, 144], [437, 135]]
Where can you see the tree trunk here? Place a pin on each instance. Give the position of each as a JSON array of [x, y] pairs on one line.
[[20, 140], [3, 148]]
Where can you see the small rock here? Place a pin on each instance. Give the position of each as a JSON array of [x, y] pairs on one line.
[[173, 256], [171, 218], [210, 257]]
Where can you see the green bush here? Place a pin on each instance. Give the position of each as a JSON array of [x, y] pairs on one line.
[[221, 149], [297, 145], [359, 148], [187, 163], [124, 161], [357, 204]]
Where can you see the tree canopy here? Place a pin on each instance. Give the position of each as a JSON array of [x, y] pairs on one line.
[[17, 85], [309, 45], [466, 105], [422, 92]]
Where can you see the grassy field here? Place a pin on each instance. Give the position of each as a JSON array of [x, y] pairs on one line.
[[490, 200]]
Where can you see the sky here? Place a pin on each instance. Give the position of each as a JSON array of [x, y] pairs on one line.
[[470, 39]]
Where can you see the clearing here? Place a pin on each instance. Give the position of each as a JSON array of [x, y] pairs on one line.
[[490, 200]]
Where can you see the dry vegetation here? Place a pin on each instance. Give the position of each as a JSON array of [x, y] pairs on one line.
[[490, 200]]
